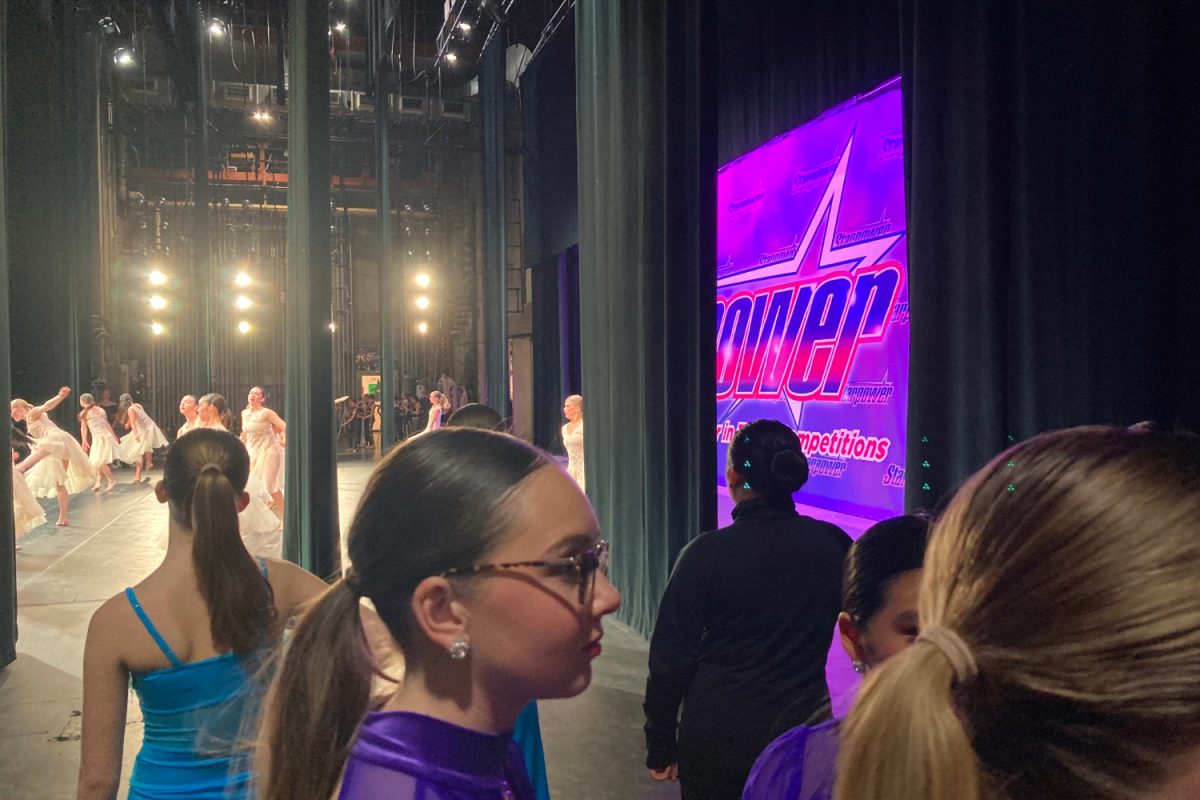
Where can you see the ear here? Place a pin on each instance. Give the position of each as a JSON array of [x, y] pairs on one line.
[[731, 477], [851, 637], [160, 492], [438, 612], [243, 500]]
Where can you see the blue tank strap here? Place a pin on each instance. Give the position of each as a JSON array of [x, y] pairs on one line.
[[262, 564], [153, 631]]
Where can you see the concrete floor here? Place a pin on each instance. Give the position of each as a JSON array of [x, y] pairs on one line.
[[594, 745]]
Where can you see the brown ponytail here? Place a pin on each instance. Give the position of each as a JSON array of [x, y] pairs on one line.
[[316, 702], [205, 473]]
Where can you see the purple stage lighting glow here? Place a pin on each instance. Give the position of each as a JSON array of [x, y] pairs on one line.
[[812, 300]]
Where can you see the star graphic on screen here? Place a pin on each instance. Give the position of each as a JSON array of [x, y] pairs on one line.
[[825, 217]]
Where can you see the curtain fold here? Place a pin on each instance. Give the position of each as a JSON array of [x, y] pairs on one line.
[[647, 172], [8, 561]]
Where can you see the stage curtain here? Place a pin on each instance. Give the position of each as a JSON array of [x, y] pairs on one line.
[[647, 159], [1053, 224], [782, 63], [8, 562]]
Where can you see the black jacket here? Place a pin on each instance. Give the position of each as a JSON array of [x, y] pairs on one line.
[[743, 632]]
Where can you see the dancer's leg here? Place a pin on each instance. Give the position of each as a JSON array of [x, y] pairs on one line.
[[63, 501]]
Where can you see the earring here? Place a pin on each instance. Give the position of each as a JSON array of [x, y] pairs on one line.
[[459, 649], [859, 667]]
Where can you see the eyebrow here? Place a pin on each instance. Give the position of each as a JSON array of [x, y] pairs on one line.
[[573, 543], [908, 618]]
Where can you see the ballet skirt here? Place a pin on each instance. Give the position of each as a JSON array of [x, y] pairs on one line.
[[46, 475], [104, 441], [573, 442], [404, 756], [261, 529], [266, 453], [151, 439], [27, 511]]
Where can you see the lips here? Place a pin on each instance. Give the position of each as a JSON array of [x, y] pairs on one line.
[[593, 647]]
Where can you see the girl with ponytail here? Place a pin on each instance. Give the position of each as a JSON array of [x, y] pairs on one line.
[[745, 624], [188, 636], [1060, 634], [484, 561]]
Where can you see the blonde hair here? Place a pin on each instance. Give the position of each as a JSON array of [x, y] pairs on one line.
[[1068, 569], [575, 400], [19, 403]]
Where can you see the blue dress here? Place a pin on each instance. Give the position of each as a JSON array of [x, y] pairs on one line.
[[193, 715], [527, 733], [799, 765]]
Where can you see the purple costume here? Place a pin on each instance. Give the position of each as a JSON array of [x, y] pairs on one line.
[[799, 765], [404, 756]]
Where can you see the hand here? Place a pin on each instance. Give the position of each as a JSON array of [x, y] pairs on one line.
[[87, 447], [669, 773], [64, 391]]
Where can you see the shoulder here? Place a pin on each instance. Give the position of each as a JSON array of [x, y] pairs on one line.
[[111, 622], [292, 584], [779, 772]]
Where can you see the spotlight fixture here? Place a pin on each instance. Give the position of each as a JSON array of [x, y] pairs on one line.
[[408, 207], [242, 302], [123, 57], [422, 302], [423, 279], [157, 278], [243, 327], [340, 27], [494, 10], [216, 27], [464, 26], [157, 328], [451, 57], [426, 207], [158, 302], [108, 26], [422, 327], [333, 327], [242, 279], [261, 115]]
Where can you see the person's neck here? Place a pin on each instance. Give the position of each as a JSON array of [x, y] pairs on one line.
[[452, 696], [179, 544]]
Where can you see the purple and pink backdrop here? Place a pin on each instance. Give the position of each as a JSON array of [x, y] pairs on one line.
[[812, 300]]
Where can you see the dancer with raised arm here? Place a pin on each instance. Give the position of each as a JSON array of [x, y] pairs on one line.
[[264, 433], [144, 437], [99, 441], [58, 466]]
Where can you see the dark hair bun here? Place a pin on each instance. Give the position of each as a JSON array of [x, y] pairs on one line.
[[790, 469], [767, 456]]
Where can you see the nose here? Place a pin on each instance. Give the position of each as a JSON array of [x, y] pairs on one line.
[[605, 597]]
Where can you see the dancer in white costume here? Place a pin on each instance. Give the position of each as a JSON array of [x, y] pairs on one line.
[[27, 511], [262, 531], [191, 414], [144, 437], [58, 466], [439, 411], [572, 436], [99, 441], [264, 433]]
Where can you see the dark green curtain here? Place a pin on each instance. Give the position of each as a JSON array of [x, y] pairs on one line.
[[555, 345], [647, 161], [1054, 221], [8, 563]]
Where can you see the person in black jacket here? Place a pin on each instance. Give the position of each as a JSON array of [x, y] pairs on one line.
[[745, 624]]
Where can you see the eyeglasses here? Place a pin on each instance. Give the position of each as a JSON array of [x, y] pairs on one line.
[[580, 568]]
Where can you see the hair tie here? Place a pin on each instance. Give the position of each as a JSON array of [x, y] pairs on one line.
[[351, 581], [951, 645], [213, 466]]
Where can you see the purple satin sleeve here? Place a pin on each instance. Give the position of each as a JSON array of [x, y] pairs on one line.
[[799, 765]]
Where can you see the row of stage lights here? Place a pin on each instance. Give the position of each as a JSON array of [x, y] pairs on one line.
[[158, 303]]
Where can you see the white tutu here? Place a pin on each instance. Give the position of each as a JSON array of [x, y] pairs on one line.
[[131, 450], [262, 531], [104, 449], [47, 474], [27, 511]]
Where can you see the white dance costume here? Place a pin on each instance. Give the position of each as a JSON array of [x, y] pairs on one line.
[[266, 453], [27, 511], [573, 441], [144, 436], [104, 444], [261, 530], [46, 475]]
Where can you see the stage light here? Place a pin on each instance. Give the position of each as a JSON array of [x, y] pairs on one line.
[[216, 27], [422, 327], [464, 26], [423, 279], [242, 279], [422, 302], [261, 115], [108, 26], [157, 328], [340, 27], [333, 327], [123, 57], [243, 327], [242, 302], [157, 278], [451, 58], [158, 302]]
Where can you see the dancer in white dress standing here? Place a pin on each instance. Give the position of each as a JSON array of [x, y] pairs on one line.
[[262, 531], [58, 467], [191, 414], [439, 411], [144, 437], [264, 434], [27, 511], [572, 436], [99, 441]]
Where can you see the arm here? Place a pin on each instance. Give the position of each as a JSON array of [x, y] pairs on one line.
[[674, 655], [50, 404], [131, 419], [83, 432], [279, 425], [105, 699]]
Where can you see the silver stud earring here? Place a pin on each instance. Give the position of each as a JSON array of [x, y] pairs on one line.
[[459, 649], [859, 667]]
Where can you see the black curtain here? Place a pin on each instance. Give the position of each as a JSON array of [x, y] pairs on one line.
[[647, 160], [555, 344], [1054, 221], [8, 562]]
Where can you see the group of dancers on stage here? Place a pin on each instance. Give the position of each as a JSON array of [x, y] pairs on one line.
[[59, 466]]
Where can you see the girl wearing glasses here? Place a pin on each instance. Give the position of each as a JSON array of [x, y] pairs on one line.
[[484, 561], [745, 624]]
